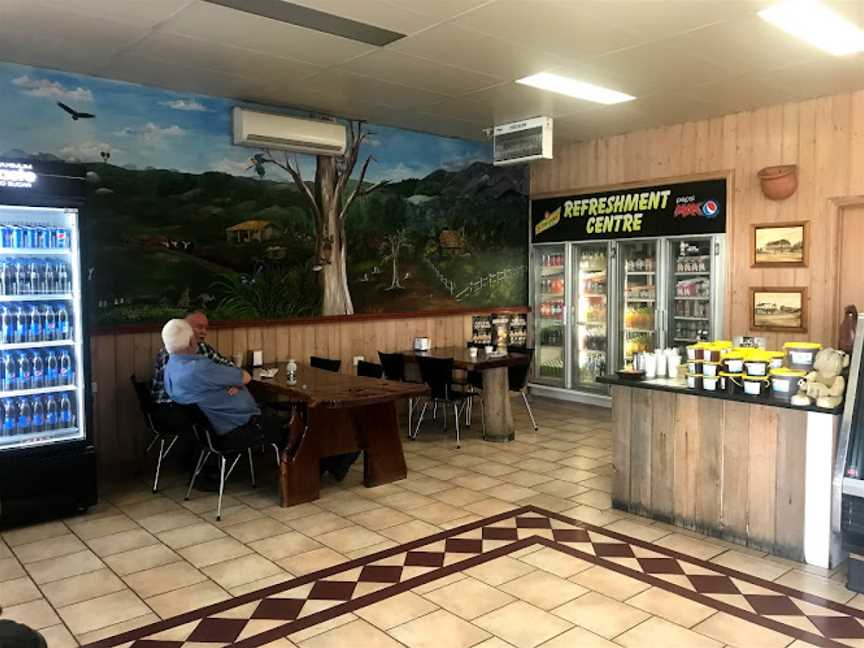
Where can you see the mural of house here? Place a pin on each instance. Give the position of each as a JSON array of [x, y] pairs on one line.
[[251, 230], [451, 241]]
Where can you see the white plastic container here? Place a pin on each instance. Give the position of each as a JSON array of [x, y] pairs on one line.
[[711, 369], [755, 385], [710, 383], [694, 381], [756, 367]]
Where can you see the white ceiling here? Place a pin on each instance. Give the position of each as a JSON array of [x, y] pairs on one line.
[[453, 73]]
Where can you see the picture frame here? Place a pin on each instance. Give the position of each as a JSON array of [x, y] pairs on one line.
[[779, 309], [780, 245]]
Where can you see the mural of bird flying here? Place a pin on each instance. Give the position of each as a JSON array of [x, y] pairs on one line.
[[76, 115]]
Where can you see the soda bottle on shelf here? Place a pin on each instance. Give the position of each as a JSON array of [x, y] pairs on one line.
[[10, 377], [50, 277], [49, 331], [52, 370], [24, 416], [67, 419], [37, 410], [63, 328], [61, 237], [34, 329], [10, 417], [66, 373], [38, 369], [20, 280], [52, 417], [7, 327], [25, 371], [33, 278], [20, 324]]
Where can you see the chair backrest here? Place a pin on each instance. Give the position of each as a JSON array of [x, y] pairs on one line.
[[145, 398], [201, 427], [370, 369], [437, 373], [325, 363], [517, 375], [394, 365]]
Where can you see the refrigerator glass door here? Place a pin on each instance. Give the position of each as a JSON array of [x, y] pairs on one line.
[[691, 291], [637, 298], [590, 294], [41, 377], [550, 313]]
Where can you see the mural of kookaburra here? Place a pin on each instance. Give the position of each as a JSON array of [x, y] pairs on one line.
[[257, 161]]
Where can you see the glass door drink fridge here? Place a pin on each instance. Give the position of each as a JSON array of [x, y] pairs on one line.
[[47, 458], [590, 309], [695, 289], [638, 268], [550, 314]]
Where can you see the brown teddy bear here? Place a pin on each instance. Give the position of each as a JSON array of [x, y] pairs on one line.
[[824, 384]]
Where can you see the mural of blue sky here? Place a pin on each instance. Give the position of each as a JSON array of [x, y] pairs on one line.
[[149, 127]]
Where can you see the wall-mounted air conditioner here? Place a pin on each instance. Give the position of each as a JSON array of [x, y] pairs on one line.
[[269, 131]]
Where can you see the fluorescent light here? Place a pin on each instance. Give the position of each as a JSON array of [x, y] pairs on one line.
[[574, 88], [813, 22]]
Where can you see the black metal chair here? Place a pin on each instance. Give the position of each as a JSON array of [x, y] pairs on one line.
[[209, 442], [165, 421], [437, 373], [369, 369], [394, 369], [517, 378], [325, 363]]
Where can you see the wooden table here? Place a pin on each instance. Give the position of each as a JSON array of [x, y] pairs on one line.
[[345, 414], [496, 388]]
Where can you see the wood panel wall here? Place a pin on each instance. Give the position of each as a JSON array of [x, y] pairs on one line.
[[824, 137], [723, 468], [119, 429]]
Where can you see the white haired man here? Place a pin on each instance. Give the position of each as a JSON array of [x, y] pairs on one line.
[[218, 390]]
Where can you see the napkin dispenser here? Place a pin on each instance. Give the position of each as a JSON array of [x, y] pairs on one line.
[[422, 344]]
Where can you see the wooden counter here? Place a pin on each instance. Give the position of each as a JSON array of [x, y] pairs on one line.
[[754, 473]]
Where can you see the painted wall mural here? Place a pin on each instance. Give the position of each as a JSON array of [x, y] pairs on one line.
[[180, 218]]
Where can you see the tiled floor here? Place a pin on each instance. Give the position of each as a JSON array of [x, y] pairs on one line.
[[473, 573]]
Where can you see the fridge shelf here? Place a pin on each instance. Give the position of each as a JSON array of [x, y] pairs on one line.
[[30, 298], [553, 294], [38, 390], [677, 339], [692, 319], [637, 330], [640, 273], [39, 438], [35, 252], [648, 300], [692, 274], [35, 345], [587, 294], [692, 299]]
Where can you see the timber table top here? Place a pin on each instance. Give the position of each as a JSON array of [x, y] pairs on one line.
[[463, 360], [335, 390]]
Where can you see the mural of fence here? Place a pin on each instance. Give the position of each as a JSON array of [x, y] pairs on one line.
[[488, 280]]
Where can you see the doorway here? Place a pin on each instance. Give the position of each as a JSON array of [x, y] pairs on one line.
[[851, 279]]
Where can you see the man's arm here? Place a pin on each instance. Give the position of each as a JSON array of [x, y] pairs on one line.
[[209, 352]]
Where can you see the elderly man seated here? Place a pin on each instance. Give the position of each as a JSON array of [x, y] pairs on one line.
[[218, 390]]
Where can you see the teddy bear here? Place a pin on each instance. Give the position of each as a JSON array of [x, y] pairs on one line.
[[824, 384]]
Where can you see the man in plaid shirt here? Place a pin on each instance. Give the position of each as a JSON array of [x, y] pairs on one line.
[[199, 323]]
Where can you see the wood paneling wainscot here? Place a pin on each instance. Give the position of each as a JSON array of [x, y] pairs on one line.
[[119, 430], [824, 137]]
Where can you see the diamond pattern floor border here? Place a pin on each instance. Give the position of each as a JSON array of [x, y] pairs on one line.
[[266, 615]]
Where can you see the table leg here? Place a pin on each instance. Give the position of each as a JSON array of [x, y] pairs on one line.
[[299, 476], [377, 428], [496, 396]]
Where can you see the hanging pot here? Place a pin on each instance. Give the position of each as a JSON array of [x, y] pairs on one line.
[[779, 182]]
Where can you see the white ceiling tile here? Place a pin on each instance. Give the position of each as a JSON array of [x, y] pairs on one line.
[[567, 29], [820, 79], [438, 9], [143, 13], [395, 67], [510, 102], [468, 49], [345, 87], [222, 25], [404, 20]]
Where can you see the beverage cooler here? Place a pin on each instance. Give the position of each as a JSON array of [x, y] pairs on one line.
[[601, 294], [47, 456]]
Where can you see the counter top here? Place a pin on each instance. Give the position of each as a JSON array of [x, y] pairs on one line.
[[671, 385]]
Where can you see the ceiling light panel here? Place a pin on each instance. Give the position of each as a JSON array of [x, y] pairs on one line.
[[574, 88], [814, 23]]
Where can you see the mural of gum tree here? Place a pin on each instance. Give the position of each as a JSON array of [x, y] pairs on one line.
[[330, 205]]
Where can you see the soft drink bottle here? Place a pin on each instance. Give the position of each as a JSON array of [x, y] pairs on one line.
[[19, 281], [33, 278], [52, 418], [17, 236], [20, 324], [10, 417], [66, 377], [38, 414], [62, 323], [50, 277], [62, 279], [49, 331], [4, 279], [52, 370], [7, 329], [34, 329], [66, 418], [61, 237], [10, 378], [42, 237], [24, 416], [25, 371], [38, 369]]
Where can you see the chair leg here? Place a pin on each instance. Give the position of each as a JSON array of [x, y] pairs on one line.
[[202, 458], [252, 467], [435, 411], [483, 416], [528, 407], [159, 464], [469, 407], [221, 487], [419, 421], [444, 410], [410, 414], [456, 416]]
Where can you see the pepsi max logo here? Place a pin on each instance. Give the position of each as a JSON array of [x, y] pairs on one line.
[[710, 209]]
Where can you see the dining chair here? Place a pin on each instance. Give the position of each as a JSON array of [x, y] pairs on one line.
[[369, 369], [394, 369], [325, 363], [437, 373], [517, 378]]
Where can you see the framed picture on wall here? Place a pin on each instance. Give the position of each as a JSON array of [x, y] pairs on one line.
[[779, 245], [778, 309]]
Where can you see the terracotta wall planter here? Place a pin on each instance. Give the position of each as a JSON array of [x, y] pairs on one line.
[[779, 182]]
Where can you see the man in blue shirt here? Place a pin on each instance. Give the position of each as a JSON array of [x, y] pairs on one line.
[[218, 390]]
